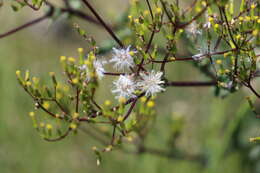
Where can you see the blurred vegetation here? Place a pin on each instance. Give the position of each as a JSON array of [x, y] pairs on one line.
[[219, 128]]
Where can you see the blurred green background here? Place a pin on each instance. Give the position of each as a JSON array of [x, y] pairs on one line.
[[218, 128]]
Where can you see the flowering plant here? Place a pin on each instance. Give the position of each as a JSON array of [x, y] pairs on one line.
[[223, 45]]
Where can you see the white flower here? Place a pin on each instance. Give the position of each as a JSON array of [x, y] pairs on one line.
[[207, 25], [123, 58], [83, 67], [150, 83], [203, 52], [193, 29], [98, 66], [124, 87], [198, 57], [229, 85]]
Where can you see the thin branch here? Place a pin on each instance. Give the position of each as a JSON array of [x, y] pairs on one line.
[[253, 90], [150, 9], [34, 7], [35, 21], [130, 109], [81, 15], [58, 138], [113, 74], [192, 59], [167, 13], [190, 7], [164, 62], [195, 17], [190, 84], [108, 29], [77, 100], [140, 66], [228, 26], [113, 135]]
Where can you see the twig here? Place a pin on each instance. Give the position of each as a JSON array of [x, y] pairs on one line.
[[108, 29], [58, 138], [191, 84], [130, 109], [35, 21]]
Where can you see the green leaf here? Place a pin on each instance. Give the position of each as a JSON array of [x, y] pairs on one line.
[[75, 4], [242, 5], [15, 8]]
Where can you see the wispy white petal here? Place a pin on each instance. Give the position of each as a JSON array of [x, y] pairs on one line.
[[98, 66], [124, 87], [193, 29], [151, 83], [122, 58]]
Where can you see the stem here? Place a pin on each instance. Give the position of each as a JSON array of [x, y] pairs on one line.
[[228, 26], [191, 84], [81, 15], [253, 90], [113, 74], [194, 18], [130, 109], [113, 135], [77, 100], [150, 9], [192, 5], [35, 21], [191, 59], [60, 137], [108, 29], [167, 13]]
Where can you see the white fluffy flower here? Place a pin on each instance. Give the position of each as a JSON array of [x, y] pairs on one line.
[[193, 29], [150, 83], [198, 57], [203, 51], [98, 66], [123, 58], [124, 87], [207, 25]]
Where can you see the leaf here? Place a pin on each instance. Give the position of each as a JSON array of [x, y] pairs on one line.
[[15, 8], [242, 5], [231, 8], [75, 4]]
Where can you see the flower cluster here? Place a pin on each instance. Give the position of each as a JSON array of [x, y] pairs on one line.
[[123, 58], [225, 43], [124, 87], [127, 85], [149, 83], [98, 65]]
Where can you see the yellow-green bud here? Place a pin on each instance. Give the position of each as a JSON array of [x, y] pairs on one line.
[[31, 114], [150, 104]]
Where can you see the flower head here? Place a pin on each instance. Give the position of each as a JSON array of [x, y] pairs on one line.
[[203, 51], [123, 58], [193, 29], [98, 65], [209, 19], [207, 25], [124, 87], [150, 83], [198, 57]]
